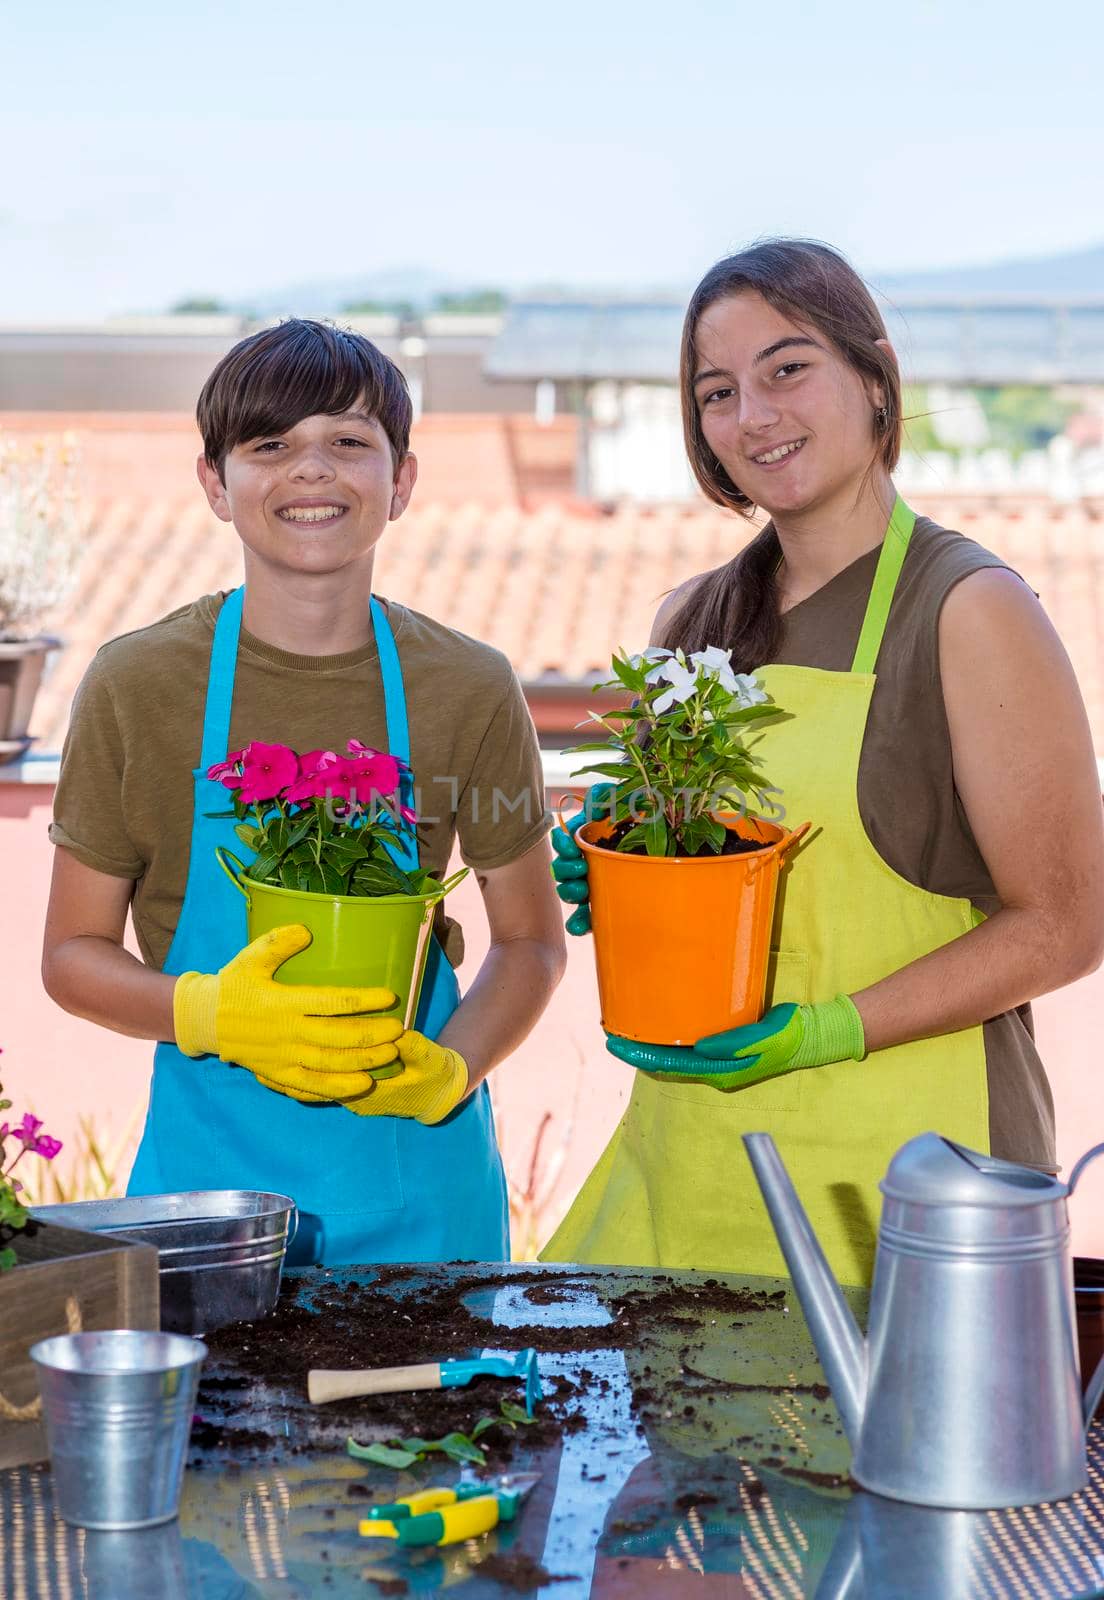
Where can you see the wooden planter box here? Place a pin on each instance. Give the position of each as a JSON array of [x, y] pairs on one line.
[[66, 1281]]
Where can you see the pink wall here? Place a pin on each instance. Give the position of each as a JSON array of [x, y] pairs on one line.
[[63, 1068]]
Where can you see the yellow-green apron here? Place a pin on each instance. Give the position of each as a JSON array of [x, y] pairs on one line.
[[673, 1187]]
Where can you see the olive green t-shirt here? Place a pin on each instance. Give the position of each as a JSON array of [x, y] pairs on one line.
[[123, 803], [908, 802]]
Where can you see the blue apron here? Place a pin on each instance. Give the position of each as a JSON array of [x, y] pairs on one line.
[[368, 1189]]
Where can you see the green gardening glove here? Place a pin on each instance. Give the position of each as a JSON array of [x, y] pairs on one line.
[[569, 868], [787, 1039]]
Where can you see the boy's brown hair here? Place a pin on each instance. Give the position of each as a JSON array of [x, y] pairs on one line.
[[272, 380]]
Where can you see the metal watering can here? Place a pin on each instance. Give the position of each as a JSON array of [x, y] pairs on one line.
[[966, 1392]]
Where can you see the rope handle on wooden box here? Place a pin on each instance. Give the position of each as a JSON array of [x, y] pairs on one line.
[[33, 1409]]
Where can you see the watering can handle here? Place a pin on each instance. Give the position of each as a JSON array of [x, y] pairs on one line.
[[1095, 1391], [223, 856]]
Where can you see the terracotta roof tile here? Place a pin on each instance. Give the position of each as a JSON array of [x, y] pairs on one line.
[[554, 588]]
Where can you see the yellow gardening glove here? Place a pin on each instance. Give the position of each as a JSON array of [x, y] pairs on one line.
[[434, 1079], [311, 1042]]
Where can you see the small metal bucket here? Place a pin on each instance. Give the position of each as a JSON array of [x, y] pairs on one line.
[[220, 1251], [118, 1410]]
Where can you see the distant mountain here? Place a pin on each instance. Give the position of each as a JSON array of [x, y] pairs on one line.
[[1075, 272]]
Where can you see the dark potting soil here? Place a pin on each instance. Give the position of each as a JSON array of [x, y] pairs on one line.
[[519, 1572], [403, 1317], [733, 844]]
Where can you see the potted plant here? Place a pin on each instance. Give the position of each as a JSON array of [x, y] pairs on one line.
[[325, 829], [682, 875], [38, 559], [54, 1280]]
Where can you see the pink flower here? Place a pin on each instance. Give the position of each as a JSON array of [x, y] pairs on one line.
[[28, 1130], [219, 771], [316, 770], [46, 1146], [372, 773], [266, 769]]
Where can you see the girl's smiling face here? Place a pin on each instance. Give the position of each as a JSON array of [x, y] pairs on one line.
[[790, 421], [315, 498]]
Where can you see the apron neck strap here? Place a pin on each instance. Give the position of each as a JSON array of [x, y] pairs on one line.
[[220, 681], [894, 548], [394, 695]]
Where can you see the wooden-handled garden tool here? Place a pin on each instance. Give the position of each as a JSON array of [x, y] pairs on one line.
[[323, 1386]]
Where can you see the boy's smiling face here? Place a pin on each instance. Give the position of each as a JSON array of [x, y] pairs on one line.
[[315, 499]]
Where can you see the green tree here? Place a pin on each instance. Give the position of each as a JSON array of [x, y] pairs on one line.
[[470, 301], [1024, 416], [379, 308], [199, 305]]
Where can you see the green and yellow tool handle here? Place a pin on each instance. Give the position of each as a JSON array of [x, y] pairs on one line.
[[465, 1518]]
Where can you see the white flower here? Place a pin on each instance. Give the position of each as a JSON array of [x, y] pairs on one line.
[[683, 681], [653, 653], [748, 690], [714, 663]]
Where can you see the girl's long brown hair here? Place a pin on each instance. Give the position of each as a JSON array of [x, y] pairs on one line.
[[737, 605]]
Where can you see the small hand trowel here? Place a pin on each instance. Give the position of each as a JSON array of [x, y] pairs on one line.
[[323, 1386]]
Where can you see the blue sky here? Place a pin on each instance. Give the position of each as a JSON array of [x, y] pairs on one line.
[[152, 152]]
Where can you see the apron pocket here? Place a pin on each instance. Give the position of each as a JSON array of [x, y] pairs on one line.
[[787, 980]]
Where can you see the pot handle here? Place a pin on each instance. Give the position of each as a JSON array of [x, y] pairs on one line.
[[1095, 1391], [222, 856], [449, 884], [569, 794], [777, 852]]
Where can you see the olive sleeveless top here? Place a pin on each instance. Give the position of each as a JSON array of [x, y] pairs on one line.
[[906, 791]]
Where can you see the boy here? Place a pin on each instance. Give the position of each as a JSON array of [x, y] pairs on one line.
[[261, 1085]]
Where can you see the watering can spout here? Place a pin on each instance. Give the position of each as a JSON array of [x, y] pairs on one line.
[[835, 1333]]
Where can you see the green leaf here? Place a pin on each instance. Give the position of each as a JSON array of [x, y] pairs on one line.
[[514, 1414], [333, 881], [278, 836], [265, 864], [633, 678], [299, 832], [483, 1424], [634, 837], [458, 1447], [250, 837], [289, 875], [381, 1454], [347, 847], [655, 835], [734, 715], [7, 1260]]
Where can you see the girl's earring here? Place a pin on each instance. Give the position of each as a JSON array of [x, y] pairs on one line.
[[881, 416]]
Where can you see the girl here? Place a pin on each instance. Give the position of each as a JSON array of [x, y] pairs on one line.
[[937, 741]]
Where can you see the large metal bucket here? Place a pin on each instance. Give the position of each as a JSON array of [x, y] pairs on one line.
[[220, 1251]]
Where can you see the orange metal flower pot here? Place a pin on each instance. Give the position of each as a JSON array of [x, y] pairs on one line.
[[682, 942]]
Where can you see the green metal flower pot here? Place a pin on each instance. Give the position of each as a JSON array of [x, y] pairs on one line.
[[357, 940]]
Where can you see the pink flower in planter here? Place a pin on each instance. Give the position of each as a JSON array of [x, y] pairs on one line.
[[221, 769], [46, 1146], [316, 773], [373, 773], [266, 769]]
